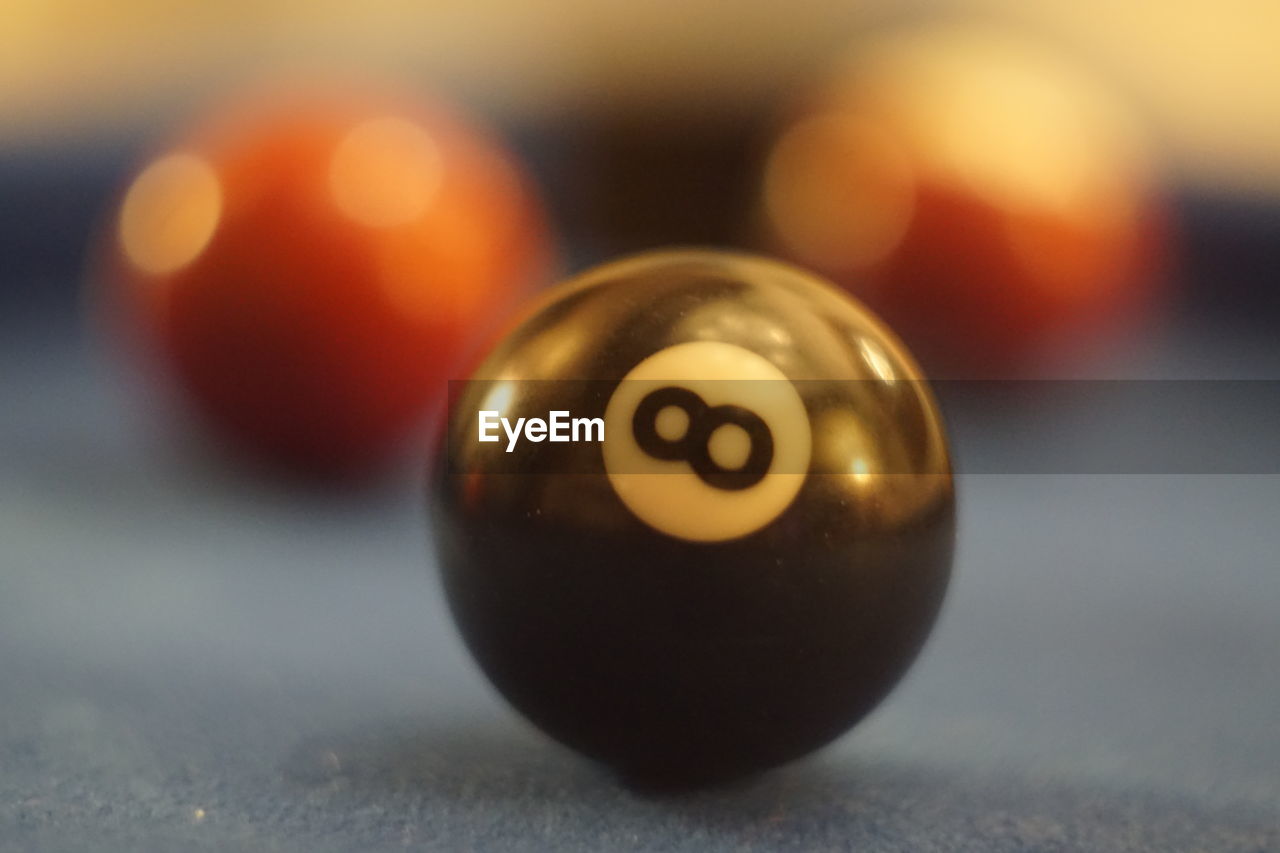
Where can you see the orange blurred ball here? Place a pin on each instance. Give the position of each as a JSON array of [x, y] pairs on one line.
[[312, 268], [992, 202]]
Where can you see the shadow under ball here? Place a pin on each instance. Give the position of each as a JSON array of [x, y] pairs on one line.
[[689, 626]]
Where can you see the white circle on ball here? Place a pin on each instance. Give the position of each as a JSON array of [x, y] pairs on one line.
[[668, 494]]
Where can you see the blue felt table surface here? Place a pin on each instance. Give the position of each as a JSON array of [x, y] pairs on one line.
[[191, 660]]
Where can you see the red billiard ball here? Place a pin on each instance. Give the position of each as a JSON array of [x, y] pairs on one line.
[[992, 202], [311, 267]]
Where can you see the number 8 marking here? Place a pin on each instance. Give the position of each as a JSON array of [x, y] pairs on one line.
[[694, 446]]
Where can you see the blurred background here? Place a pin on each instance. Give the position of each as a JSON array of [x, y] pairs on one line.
[[194, 652], [587, 87]]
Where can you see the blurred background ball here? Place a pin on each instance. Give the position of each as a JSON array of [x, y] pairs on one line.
[[994, 202], [310, 265]]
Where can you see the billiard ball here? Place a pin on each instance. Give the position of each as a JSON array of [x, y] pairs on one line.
[[746, 562], [996, 204], [311, 264]]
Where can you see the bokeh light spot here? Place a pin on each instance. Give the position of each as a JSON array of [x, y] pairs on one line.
[[385, 172], [170, 213], [839, 192]]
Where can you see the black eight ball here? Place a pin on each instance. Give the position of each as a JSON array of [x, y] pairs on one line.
[[752, 556]]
